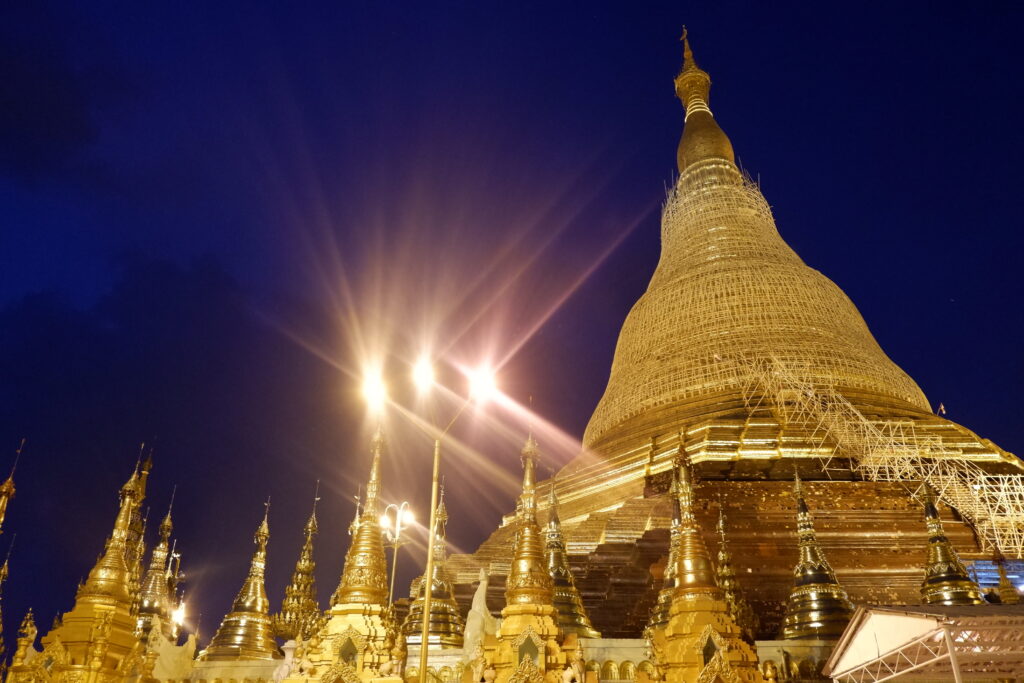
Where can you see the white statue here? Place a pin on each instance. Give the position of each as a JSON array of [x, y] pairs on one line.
[[479, 621]]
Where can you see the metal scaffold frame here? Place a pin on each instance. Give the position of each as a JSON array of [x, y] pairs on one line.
[[891, 450]]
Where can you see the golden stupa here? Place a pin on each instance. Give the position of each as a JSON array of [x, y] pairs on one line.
[[728, 297]]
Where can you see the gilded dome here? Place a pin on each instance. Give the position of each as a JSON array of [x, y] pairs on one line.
[[729, 290]]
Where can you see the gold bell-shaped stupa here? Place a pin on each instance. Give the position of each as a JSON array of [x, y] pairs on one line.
[[246, 632], [446, 625], [572, 615], [946, 581], [818, 607]]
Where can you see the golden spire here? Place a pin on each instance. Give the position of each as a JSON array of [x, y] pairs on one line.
[[109, 580], [659, 615], [446, 625], [364, 578], [818, 607], [572, 616], [300, 613], [4, 571], [529, 582], [702, 138], [26, 639], [946, 581], [1008, 594], [154, 595], [7, 487], [245, 632], [694, 573], [742, 613]]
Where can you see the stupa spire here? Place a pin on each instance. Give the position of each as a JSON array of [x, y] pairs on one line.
[[7, 487], [300, 613], [702, 138], [572, 616], [446, 625], [742, 613], [946, 581], [245, 633], [154, 595], [364, 578], [1008, 594], [818, 607], [659, 615], [110, 578], [694, 573], [529, 581]]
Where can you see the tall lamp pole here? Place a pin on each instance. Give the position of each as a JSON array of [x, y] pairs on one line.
[[393, 529], [482, 387]]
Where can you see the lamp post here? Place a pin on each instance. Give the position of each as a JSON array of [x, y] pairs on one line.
[[393, 524], [482, 387]]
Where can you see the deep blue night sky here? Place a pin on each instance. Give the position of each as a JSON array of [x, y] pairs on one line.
[[208, 212]]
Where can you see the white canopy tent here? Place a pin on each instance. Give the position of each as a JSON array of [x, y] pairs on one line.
[[931, 643]]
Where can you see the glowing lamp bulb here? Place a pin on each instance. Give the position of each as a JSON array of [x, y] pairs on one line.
[[482, 385], [375, 392], [407, 517], [423, 374], [178, 615], [385, 522]]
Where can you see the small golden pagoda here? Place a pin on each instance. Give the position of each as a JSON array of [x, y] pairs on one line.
[[246, 633], [446, 625], [742, 613], [1008, 594], [669, 581], [529, 638], [359, 633], [96, 640], [818, 607], [300, 613], [572, 616], [25, 651], [156, 596], [946, 581], [701, 641]]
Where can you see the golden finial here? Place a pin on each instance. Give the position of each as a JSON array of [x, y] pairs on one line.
[[300, 613], [246, 631], [702, 138], [572, 616], [946, 581], [817, 607], [7, 487], [528, 581], [364, 577]]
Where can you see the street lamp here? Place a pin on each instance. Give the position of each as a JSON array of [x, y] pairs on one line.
[[482, 387], [395, 520]]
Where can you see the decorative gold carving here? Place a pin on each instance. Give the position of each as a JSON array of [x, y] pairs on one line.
[[526, 672], [340, 672]]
